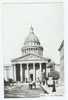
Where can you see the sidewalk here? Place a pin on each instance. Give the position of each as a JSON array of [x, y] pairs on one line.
[[59, 90]]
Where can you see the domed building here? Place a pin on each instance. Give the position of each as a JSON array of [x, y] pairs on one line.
[[32, 63]]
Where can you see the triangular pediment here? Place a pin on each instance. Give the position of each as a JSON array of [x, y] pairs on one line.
[[29, 57]]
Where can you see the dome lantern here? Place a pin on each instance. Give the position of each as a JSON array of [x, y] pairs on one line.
[[31, 29]]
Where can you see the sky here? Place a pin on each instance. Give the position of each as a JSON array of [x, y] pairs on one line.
[[47, 21]]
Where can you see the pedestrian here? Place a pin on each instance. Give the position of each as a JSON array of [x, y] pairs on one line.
[[54, 87]]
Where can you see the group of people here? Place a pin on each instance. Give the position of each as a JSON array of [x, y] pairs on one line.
[[50, 83]]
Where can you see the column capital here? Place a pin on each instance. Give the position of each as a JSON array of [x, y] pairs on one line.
[[40, 63]]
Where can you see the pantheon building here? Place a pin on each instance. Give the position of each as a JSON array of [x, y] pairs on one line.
[[31, 64]]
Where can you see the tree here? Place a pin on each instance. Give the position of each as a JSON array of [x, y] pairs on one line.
[[54, 74]]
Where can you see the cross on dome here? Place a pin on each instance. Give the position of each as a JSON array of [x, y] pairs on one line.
[[31, 29]]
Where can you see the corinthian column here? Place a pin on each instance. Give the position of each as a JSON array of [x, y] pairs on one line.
[[21, 73], [14, 72], [34, 74], [40, 71], [28, 72]]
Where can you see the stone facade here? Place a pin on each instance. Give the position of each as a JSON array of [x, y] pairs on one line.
[[8, 72]]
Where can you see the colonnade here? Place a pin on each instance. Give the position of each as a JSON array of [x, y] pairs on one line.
[[27, 67]]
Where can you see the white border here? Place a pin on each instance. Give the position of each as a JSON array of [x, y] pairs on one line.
[[66, 49]]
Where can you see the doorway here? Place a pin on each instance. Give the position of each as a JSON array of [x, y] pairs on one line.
[[31, 77]]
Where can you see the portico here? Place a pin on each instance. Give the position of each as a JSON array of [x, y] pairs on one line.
[[25, 71]]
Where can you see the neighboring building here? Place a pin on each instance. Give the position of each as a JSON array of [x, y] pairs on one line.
[[61, 50], [31, 64], [7, 72], [57, 67]]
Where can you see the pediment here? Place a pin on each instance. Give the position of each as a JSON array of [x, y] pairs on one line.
[[29, 57]]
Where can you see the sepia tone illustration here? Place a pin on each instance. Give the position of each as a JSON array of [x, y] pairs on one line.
[[33, 74]]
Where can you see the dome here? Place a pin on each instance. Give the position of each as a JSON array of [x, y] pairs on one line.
[[31, 38], [32, 44]]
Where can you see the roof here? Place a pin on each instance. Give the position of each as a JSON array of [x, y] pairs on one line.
[[62, 44], [7, 65], [31, 37]]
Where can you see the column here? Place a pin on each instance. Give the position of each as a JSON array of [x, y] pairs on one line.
[[47, 71], [21, 78], [28, 72], [14, 72], [34, 73], [44, 65], [40, 71]]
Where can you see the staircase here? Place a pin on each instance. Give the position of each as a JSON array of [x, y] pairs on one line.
[[23, 91]]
